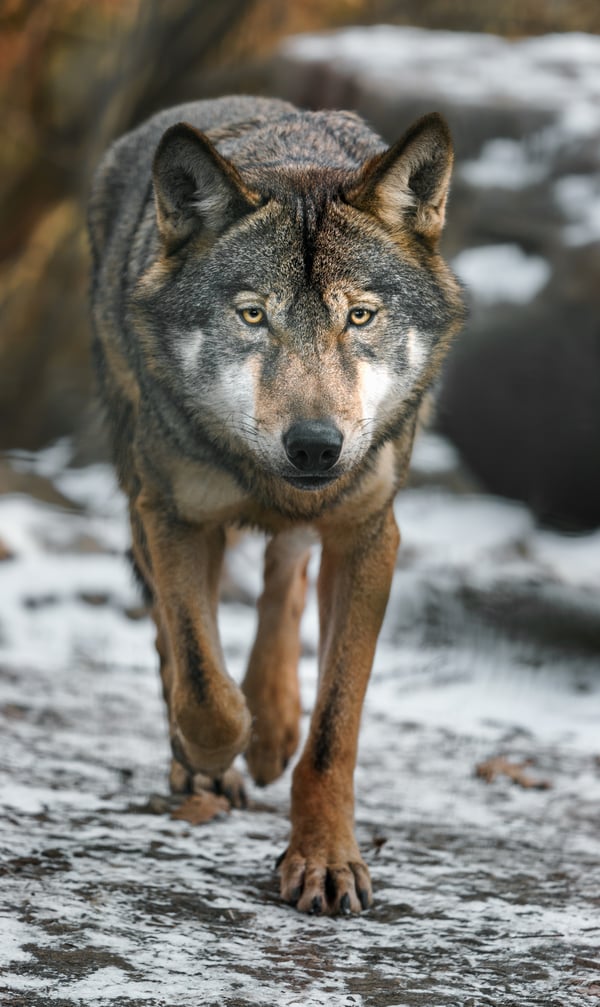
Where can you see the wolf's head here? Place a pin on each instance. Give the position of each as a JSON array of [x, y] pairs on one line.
[[299, 309]]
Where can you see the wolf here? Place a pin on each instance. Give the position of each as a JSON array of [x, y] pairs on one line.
[[270, 309]]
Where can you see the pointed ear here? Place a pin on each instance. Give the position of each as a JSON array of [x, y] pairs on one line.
[[408, 184], [195, 188]]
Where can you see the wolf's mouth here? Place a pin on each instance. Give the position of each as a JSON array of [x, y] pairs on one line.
[[310, 482]]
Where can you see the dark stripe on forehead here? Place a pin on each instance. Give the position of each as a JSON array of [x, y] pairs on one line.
[[310, 213], [308, 216]]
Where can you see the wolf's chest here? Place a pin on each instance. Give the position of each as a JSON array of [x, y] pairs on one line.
[[202, 493]]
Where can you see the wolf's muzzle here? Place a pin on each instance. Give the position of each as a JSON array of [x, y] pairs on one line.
[[313, 446]]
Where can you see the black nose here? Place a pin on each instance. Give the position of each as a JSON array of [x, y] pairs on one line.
[[313, 446]]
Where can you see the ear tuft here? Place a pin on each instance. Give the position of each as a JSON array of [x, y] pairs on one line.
[[195, 187], [407, 186]]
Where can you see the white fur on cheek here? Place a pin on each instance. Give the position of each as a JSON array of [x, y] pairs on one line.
[[375, 383], [416, 351], [381, 390], [232, 398], [188, 348]]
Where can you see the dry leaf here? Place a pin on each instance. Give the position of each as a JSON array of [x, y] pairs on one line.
[[498, 765], [200, 808]]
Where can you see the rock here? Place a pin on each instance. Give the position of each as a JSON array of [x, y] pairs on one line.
[[42, 297]]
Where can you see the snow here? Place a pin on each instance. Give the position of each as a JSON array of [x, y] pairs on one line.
[[105, 903], [502, 273], [507, 164], [578, 196], [573, 560], [433, 455]]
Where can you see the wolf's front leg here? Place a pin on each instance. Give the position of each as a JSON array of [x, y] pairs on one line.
[[208, 718], [322, 870]]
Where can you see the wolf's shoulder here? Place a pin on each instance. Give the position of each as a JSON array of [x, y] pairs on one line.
[[135, 150]]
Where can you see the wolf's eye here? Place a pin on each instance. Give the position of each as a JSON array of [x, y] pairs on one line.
[[252, 315], [360, 316]]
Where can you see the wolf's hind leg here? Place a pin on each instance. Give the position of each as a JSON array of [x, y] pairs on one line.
[[271, 682]]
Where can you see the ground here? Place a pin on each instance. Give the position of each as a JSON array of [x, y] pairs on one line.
[[485, 892]]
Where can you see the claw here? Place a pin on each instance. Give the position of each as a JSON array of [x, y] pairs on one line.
[[364, 897], [311, 885], [234, 791], [345, 905]]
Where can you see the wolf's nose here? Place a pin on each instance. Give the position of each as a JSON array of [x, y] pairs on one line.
[[313, 446]]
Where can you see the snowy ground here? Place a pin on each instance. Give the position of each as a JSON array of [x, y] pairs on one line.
[[485, 893]]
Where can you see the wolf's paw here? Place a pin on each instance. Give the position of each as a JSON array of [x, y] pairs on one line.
[[328, 884], [229, 785], [270, 750], [210, 761], [205, 738], [275, 734]]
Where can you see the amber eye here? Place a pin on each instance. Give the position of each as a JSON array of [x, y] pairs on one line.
[[252, 315], [360, 316]]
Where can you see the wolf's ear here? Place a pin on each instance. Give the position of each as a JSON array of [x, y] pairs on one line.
[[408, 184], [194, 187]]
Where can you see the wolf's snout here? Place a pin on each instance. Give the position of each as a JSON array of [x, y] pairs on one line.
[[313, 446]]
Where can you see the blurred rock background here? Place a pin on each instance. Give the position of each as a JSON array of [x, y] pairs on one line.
[[521, 393]]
